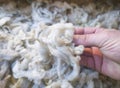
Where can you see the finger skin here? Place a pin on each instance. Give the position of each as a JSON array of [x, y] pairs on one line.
[[88, 40], [93, 51], [87, 61], [92, 57], [79, 31], [87, 30], [111, 69], [108, 42], [104, 66]]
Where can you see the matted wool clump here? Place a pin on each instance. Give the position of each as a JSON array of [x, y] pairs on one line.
[[48, 55], [36, 48]]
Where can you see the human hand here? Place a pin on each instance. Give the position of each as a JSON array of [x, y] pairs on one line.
[[102, 50]]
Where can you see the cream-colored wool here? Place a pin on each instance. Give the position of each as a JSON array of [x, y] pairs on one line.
[[36, 48]]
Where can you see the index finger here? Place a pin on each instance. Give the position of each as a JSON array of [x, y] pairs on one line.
[[87, 30]]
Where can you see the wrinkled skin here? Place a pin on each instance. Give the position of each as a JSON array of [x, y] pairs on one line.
[[106, 45]]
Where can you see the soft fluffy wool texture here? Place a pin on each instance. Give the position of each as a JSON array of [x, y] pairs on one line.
[[36, 47]]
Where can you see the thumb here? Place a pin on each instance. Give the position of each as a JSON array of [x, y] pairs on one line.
[[88, 40]]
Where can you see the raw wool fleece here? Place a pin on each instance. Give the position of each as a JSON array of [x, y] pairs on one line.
[[36, 47]]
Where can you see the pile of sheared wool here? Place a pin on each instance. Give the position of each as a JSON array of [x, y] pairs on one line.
[[36, 49]]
